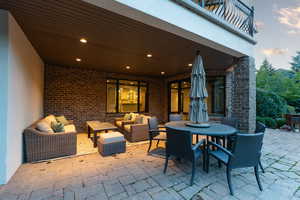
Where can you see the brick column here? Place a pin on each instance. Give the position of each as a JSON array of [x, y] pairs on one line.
[[229, 91], [244, 94]]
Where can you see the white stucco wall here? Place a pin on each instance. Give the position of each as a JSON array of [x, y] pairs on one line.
[[3, 91], [174, 18], [24, 81]]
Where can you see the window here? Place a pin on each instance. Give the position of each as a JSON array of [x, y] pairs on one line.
[[126, 96], [179, 94]]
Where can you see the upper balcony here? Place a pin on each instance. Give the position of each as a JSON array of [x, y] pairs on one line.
[[236, 12]]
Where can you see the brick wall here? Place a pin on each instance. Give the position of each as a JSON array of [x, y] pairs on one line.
[[80, 94], [244, 94]]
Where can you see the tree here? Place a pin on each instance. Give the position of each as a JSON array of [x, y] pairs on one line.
[[269, 79], [296, 62]]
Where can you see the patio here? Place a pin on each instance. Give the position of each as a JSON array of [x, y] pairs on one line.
[[136, 175]]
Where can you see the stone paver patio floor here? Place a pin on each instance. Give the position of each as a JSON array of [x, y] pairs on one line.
[[136, 175]]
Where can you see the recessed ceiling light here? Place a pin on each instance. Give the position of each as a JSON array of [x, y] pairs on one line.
[[127, 67], [83, 40], [162, 73], [190, 64], [149, 55], [78, 59]]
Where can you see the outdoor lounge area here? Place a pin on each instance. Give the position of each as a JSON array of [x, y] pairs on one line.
[[107, 100], [137, 175]]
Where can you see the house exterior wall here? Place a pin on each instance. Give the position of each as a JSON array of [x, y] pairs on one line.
[[23, 93], [182, 22], [3, 92], [80, 94], [241, 93]]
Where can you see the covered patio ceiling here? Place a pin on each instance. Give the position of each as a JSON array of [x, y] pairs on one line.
[[114, 41]]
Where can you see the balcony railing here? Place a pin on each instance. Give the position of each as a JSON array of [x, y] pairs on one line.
[[235, 12]]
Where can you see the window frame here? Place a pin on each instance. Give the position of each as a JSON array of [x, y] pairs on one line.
[[139, 85], [180, 107]]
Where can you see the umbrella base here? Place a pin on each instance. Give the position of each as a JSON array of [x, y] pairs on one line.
[[197, 125]]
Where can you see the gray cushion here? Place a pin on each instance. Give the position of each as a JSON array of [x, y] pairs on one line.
[[107, 138]]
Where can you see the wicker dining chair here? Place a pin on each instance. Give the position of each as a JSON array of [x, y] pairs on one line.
[[246, 152], [175, 117], [179, 144], [260, 128], [155, 132]]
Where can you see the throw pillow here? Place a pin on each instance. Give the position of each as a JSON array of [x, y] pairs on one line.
[[57, 127], [43, 126], [133, 116], [49, 119], [127, 117], [62, 119]]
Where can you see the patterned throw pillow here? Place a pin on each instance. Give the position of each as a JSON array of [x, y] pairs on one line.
[[62, 119], [58, 127]]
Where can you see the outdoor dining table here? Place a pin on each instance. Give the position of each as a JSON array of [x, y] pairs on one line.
[[214, 130]]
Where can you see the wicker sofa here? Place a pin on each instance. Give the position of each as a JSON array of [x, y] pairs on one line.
[[132, 130], [42, 145]]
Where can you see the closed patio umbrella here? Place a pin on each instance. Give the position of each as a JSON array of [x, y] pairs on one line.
[[198, 94]]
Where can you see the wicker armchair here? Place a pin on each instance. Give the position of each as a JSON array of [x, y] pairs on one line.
[[42, 146]]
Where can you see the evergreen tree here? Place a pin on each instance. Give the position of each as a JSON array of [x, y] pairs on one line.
[[296, 62]]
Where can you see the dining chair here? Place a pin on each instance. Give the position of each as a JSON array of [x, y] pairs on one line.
[[175, 117], [260, 128], [179, 144], [246, 152], [155, 132], [229, 122]]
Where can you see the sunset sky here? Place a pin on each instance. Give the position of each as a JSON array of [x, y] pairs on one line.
[[278, 22]]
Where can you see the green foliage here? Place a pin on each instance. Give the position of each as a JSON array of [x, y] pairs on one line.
[[268, 121], [280, 122], [283, 83], [269, 104], [291, 110], [296, 62]]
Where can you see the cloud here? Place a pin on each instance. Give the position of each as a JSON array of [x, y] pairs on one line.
[[293, 32], [291, 18], [274, 51]]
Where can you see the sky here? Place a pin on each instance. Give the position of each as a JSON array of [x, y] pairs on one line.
[[278, 23]]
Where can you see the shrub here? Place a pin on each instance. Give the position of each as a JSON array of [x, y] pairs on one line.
[[280, 122], [269, 104], [268, 121], [261, 119], [291, 110]]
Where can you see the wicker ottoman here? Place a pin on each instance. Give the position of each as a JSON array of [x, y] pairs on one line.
[[111, 143]]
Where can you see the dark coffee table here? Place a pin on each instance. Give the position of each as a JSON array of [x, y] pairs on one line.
[[97, 127]]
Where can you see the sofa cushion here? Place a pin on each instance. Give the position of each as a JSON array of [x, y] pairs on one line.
[[62, 119], [70, 128], [138, 119], [107, 138], [145, 119], [49, 119], [127, 128], [57, 127], [43, 126], [119, 123]]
